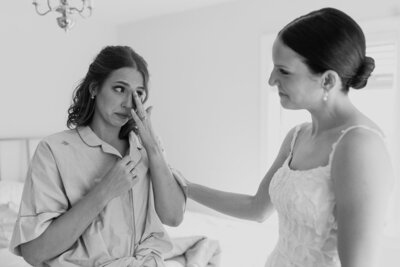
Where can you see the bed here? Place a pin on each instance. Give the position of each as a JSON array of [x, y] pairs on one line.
[[241, 243]]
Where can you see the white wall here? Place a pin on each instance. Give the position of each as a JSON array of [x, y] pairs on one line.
[[205, 73], [40, 66]]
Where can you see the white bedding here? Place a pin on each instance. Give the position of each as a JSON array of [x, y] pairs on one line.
[[243, 243]]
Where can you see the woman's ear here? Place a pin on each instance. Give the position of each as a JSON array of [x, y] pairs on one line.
[[93, 89], [329, 80]]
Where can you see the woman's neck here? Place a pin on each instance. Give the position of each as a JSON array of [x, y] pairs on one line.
[[110, 135], [333, 114], [107, 134]]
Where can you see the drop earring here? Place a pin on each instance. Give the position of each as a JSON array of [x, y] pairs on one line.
[[92, 97], [325, 96]]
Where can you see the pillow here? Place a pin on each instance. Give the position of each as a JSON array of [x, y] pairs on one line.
[[7, 220], [11, 193]]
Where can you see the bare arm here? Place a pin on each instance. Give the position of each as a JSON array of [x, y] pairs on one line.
[[65, 230], [168, 196], [250, 207], [362, 176]]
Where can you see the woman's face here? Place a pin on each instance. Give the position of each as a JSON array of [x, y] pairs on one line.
[[114, 98], [298, 88]]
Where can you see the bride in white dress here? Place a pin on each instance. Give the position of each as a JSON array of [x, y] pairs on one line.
[[331, 179]]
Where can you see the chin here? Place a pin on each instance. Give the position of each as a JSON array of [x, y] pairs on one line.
[[116, 123], [285, 104]]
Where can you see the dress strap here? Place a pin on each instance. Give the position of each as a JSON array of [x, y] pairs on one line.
[[345, 131], [296, 132]]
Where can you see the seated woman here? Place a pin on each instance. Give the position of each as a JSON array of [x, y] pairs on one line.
[[98, 193]]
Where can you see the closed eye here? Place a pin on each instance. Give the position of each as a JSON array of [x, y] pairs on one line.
[[284, 72]]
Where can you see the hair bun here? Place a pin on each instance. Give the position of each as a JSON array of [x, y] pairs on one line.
[[360, 79]]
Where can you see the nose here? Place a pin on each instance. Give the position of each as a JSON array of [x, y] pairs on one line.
[[272, 78], [128, 101]]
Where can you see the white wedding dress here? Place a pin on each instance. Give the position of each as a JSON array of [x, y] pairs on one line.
[[305, 203]]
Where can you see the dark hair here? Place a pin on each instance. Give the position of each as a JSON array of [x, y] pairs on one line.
[[329, 39], [110, 58]]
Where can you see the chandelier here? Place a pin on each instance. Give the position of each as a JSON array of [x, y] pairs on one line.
[[66, 20]]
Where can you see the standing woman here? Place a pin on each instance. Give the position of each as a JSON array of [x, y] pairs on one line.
[[331, 179], [98, 194]]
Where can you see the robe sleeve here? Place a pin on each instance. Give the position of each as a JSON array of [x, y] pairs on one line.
[[43, 198]]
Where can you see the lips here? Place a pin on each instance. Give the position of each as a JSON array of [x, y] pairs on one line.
[[282, 94], [280, 91], [123, 115]]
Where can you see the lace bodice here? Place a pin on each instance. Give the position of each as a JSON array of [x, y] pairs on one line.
[[305, 202]]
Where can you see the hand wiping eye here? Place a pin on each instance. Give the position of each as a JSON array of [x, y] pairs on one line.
[[133, 103], [137, 97]]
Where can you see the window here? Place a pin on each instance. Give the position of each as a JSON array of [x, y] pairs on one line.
[[380, 100]]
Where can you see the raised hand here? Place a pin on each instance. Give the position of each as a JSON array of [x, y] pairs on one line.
[[143, 123]]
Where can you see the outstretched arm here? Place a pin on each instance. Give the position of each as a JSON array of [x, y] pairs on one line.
[[250, 207]]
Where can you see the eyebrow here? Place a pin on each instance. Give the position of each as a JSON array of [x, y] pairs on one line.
[[128, 85], [281, 66]]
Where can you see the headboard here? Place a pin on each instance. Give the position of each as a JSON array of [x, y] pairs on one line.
[[15, 155]]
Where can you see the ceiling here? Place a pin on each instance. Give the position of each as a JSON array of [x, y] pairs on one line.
[[112, 12]]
